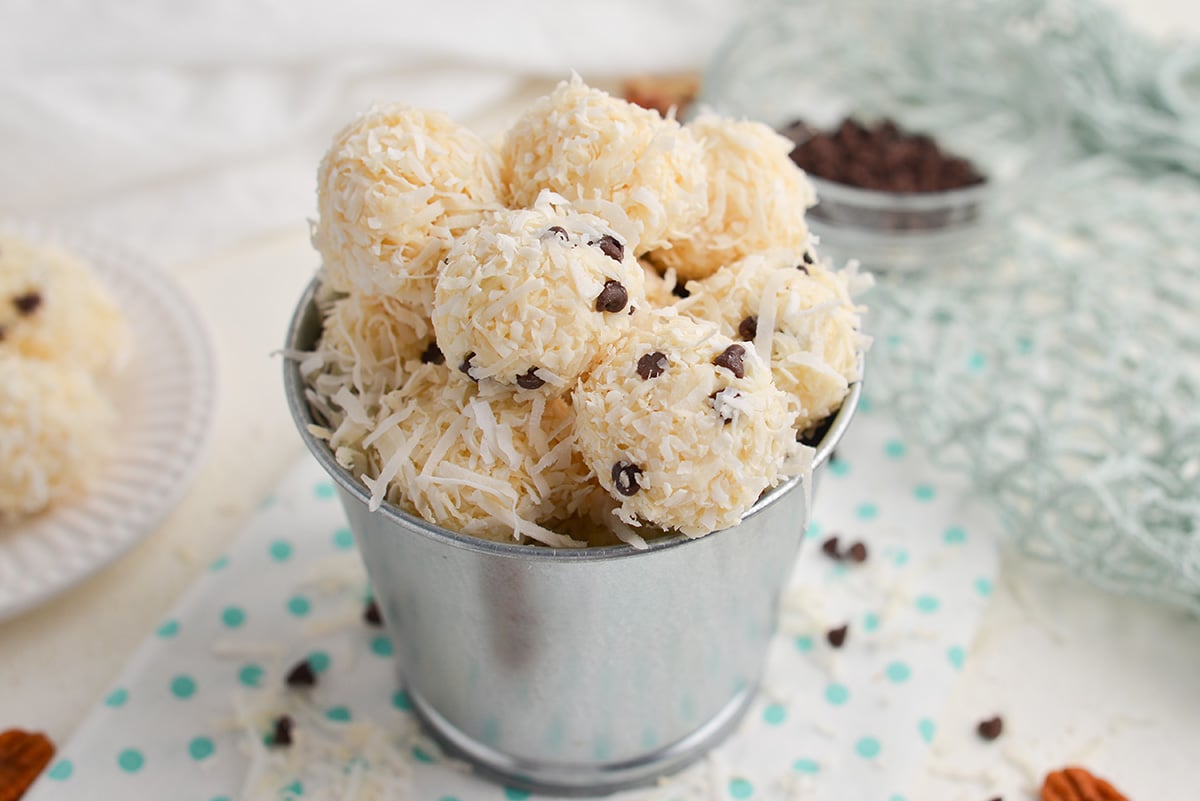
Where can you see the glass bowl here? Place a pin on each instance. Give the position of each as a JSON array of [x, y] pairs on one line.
[[933, 68]]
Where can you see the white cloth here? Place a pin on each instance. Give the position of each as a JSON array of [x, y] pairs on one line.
[[185, 129]]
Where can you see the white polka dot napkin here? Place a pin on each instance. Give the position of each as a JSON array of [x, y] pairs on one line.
[[195, 712]]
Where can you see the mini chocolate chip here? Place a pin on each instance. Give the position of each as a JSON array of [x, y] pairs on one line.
[[466, 366], [830, 548], [808, 258], [748, 328], [625, 478], [632, 309], [991, 728], [610, 247], [731, 359], [282, 734], [652, 365], [857, 553], [837, 637], [28, 303], [302, 675], [802, 268], [679, 292], [371, 615], [433, 355], [722, 409], [559, 232], [528, 380], [612, 298]]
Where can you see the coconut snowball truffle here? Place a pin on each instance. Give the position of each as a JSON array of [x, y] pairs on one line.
[[55, 428], [396, 186], [529, 297], [485, 465], [53, 309], [801, 318], [683, 426], [596, 149], [756, 198]]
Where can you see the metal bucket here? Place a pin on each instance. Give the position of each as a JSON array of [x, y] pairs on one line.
[[573, 671]]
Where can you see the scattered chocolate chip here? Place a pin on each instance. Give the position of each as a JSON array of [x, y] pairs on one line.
[[371, 614], [559, 232], [625, 478], [610, 247], [652, 365], [281, 735], [28, 303], [466, 366], [612, 298], [830, 549], [996, 798], [731, 360], [679, 292], [529, 380], [302, 675], [748, 328], [802, 269], [837, 637], [991, 728], [808, 258], [632, 309], [857, 553], [721, 406], [433, 355]]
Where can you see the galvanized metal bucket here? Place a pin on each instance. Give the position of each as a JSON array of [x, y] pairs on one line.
[[573, 671]]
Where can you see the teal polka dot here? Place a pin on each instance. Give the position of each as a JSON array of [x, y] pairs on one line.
[[924, 492], [319, 661], [899, 557], [513, 794], [183, 687], [837, 694], [865, 404], [117, 697], [814, 529], [448, 798], [131, 760], [867, 511], [220, 563], [293, 789], [928, 604], [381, 645], [324, 490], [957, 656], [201, 748], [870, 622], [338, 714], [250, 675], [808, 766], [927, 729], [897, 672], [741, 788], [343, 540], [983, 586], [401, 701], [61, 771], [839, 467], [895, 449], [421, 756], [868, 748], [1024, 345], [895, 797], [233, 616], [955, 535], [804, 643], [775, 714], [894, 340], [280, 550], [222, 798], [976, 362], [299, 606], [168, 629]]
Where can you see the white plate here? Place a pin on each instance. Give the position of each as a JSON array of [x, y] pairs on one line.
[[165, 402]]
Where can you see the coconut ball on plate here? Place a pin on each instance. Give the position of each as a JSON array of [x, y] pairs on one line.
[[395, 187], [626, 161], [800, 317], [682, 425], [529, 296], [756, 198]]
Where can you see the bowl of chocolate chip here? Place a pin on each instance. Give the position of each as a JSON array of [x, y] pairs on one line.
[[922, 126]]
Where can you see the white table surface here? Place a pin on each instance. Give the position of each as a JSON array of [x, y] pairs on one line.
[[1078, 675]]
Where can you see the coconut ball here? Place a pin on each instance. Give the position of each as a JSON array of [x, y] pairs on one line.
[[56, 428], [396, 186], [756, 198], [593, 148], [682, 425], [529, 297], [800, 317], [52, 308], [477, 462]]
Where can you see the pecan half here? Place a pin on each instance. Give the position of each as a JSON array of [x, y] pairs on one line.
[[1077, 784], [23, 756]]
